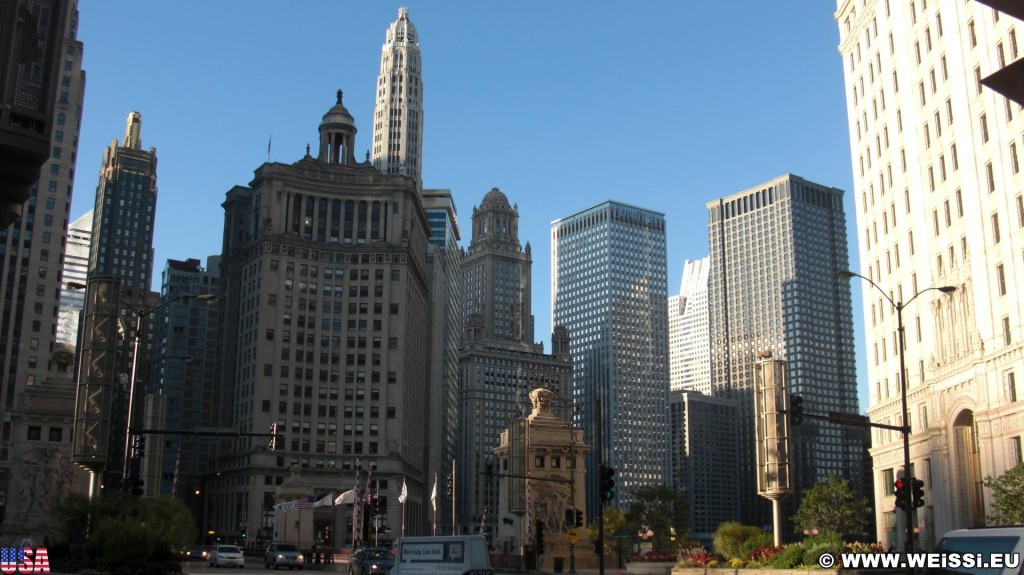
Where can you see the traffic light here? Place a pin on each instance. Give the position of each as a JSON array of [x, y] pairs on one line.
[[137, 487], [918, 498], [272, 444], [796, 409], [900, 491], [607, 483], [540, 537], [568, 518], [451, 487], [579, 518]]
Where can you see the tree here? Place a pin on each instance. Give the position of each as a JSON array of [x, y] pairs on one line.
[[661, 510], [832, 507], [614, 521], [1007, 497]]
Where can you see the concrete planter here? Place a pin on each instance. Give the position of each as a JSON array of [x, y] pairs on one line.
[[650, 567]]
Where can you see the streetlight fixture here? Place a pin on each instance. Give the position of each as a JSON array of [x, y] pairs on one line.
[[139, 314], [899, 305]]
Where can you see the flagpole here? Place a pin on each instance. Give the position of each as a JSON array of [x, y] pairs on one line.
[[454, 483]]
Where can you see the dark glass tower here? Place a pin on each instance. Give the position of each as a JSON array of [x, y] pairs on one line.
[[775, 250]]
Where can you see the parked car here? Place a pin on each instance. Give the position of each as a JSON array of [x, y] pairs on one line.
[[283, 555], [370, 561], [228, 555], [986, 544], [194, 553]]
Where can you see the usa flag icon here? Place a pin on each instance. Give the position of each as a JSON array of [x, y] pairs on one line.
[[10, 558]]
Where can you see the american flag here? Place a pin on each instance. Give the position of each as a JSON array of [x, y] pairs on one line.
[[10, 557]]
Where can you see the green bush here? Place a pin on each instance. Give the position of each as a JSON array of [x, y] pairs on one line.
[[735, 541], [790, 557], [812, 554]]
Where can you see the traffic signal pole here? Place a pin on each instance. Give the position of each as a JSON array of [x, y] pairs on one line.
[[600, 503]]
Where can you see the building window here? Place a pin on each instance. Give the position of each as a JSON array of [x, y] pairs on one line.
[[538, 461], [35, 432], [1001, 279], [1007, 339], [1011, 386], [1015, 451], [56, 434]]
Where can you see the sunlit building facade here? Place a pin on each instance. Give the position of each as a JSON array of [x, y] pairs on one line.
[[398, 108], [937, 188], [689, 346]]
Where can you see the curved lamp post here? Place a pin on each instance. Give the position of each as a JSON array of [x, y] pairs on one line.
[[899, 305]]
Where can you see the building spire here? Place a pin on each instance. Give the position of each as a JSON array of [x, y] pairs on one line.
[[133, 132]]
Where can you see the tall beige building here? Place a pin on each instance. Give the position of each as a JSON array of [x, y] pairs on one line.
[[324, 295], [937, 188], [398, 111]]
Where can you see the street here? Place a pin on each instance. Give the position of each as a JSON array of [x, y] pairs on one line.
[[255, 565]]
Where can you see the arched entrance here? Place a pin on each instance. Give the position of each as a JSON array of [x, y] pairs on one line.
[[967, 462]]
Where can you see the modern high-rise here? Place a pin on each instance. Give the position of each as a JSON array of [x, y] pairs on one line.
[[937, 188], [609, 289], [704, 456], [37, 383], [499, 364], [689, 345], [324, 299], [184, 372], [398, 108], [772, 288], [122, 248], [76, 271], [445, 276]]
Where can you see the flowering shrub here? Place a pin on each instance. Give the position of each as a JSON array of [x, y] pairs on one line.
[[762, 554], [699, 559], [858, 547]]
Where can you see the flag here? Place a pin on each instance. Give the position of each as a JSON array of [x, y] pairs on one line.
[[433, 494], [483, 520], [270, 139], [325, 500], [404, 494], [10, 557], [346, 498]]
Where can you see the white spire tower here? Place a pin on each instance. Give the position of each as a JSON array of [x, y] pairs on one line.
[[398, 108]]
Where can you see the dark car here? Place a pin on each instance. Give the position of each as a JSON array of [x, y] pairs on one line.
[[371, 561], [194, 553]]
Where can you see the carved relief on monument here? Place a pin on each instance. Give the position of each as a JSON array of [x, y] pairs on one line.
[[46, 475]]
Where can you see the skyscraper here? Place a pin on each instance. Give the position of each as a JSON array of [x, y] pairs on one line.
[[704, 457], [122, 248], [37, 383], [445, 275], [76, 270], [609, 289], [937, 188], [324, 292], [184, 372], [398, 110], [689, 350], [772, 287], [500, 364]]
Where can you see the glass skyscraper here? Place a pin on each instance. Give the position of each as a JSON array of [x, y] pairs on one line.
[[609, 289], [775, 251]]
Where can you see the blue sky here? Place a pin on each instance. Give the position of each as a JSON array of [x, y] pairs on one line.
[[560, 104]]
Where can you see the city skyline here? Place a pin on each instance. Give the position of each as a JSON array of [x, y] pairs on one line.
[[482, 123]]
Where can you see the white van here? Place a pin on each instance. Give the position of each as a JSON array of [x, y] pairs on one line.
[[448, 555], [982, 544]]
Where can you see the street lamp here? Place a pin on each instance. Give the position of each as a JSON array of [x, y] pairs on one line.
[[899, 305], [139, 314]]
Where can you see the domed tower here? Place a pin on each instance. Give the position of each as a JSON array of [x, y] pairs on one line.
[[337, 136], [398, 107], [496, 271]]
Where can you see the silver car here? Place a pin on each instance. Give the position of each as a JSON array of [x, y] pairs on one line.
[[283, 555]]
